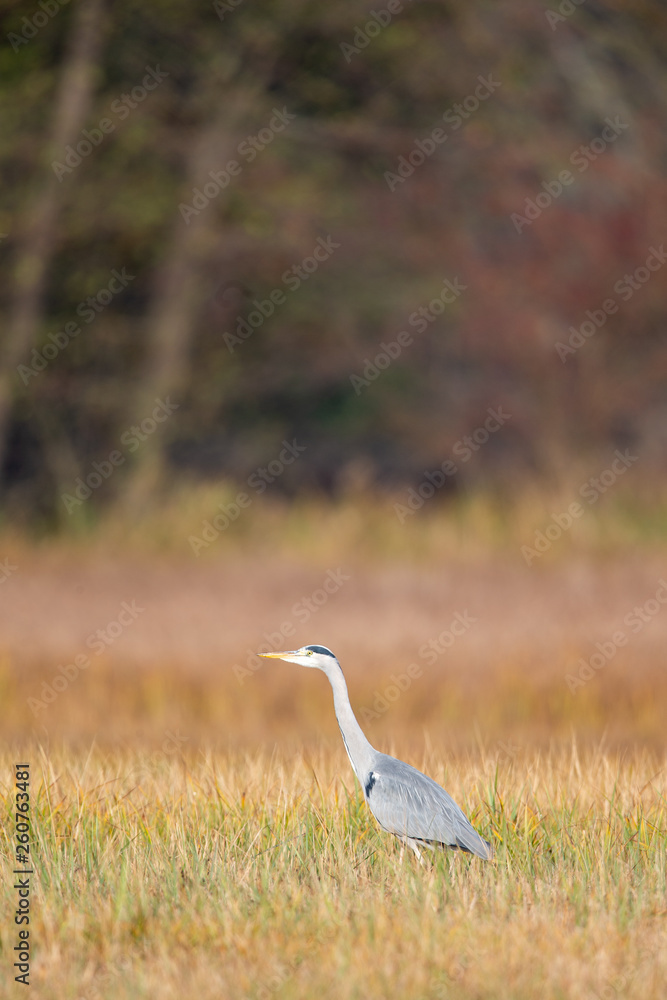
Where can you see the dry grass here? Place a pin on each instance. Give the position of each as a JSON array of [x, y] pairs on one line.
[[178, 664], [468, 525], [199, 836], [254, 875]]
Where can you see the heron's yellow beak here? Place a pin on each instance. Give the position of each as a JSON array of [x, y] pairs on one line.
[[278, 656]]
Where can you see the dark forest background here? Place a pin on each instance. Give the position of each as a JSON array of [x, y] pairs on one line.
[[156, 97]]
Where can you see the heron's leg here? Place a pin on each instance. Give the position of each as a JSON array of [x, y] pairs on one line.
[[407, 841], [413, 845], [404, 843]]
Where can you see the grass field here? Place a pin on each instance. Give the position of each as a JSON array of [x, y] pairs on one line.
[[196, 827], [253, 875]]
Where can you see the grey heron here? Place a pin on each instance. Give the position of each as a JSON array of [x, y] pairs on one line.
[[404, 801]]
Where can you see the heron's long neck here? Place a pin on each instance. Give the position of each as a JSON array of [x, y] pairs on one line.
[[359, 750]]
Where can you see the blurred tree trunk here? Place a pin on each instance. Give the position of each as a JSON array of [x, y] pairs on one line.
[[36, 230], [179, 292]]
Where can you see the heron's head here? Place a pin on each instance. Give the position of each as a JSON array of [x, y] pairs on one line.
[[307, 656]]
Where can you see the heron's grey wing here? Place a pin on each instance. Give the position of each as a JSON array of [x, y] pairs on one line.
[[408, 803]]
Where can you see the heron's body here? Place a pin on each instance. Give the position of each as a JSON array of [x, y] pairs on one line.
[[404, 801]]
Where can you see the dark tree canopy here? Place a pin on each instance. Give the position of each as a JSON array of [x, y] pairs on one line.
[[230, 225]]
